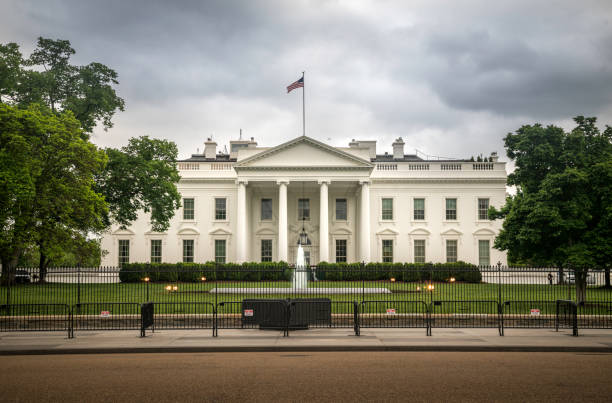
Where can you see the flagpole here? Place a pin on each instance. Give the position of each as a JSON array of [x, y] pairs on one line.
[[303, 105]]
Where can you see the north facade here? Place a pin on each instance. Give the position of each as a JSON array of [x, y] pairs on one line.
[[252, 203]]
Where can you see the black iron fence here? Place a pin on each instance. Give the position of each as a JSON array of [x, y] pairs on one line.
[[280, 297]]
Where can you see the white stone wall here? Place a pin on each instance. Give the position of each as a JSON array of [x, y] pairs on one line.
[[305, 160]]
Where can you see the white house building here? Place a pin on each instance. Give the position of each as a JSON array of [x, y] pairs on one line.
[[354, 204]]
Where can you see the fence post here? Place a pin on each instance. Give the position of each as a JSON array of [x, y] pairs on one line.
[[575, 320], [216, 283], [79, 284], [362, 281], [500, 313], [356, 318]]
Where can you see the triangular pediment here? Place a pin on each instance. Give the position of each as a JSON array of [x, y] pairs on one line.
[[303, 152], [123, 231], [387, 231], [219, 231]]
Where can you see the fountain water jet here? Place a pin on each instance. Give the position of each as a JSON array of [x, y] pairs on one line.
[[300, 275]]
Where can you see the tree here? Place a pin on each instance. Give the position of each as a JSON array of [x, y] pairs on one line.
[[87, 91], [47, 171], [141, 176], [563, 206]]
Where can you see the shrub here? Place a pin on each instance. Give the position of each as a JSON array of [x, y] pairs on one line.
[[277, 271], [193, 272], [409, 272]]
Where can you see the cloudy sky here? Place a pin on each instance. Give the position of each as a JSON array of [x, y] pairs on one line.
[[452, 77]]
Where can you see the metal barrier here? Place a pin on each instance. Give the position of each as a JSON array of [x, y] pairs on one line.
[[595, 314], [465, 314], [35, 317], [567, 316], [184, 315], [528, 314], [395, 314], [147, 313], [106, 316], [254, 313]]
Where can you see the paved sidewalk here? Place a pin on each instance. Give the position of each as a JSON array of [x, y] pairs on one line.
[[91, 342]]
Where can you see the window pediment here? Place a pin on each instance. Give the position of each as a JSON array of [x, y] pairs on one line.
[[188, 231], [484, 232], [420, 231]]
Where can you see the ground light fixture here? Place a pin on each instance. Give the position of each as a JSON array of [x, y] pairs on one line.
[[430, 287], [392, 279], [174, 288], [203, 278], [452, 279], [168, 288], [146, 279]]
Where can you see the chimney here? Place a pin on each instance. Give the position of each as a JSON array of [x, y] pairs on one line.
[[398, 149], [210, 149], [494, 156]]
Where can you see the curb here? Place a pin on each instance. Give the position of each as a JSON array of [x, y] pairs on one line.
[[260, 349]]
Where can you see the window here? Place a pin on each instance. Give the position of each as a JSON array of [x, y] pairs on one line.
[[419, 209], [451, 250], [483, 209], [220, 208], [340, 209], [124, 251], [188, 250], [156, 250], [387, 209], [266, 250], [419, 251], [303, 209], [484, 258], [220, 250], [266, 209], [451, 209], [387, 250], [188, 209], [340, 250]]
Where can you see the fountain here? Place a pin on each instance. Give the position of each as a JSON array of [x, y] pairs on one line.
[[300, 275]]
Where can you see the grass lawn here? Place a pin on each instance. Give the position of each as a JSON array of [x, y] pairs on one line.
[[137, 293]]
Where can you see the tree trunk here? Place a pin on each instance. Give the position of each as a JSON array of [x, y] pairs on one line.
[[581, 285], [607, 276], [9, 266], [43, 263], [561, 276]]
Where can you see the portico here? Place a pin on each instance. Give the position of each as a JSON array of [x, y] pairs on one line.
[[319, 212]]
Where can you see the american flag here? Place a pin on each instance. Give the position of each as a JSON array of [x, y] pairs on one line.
[[298, 84]]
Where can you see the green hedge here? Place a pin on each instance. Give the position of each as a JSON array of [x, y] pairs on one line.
[[193, 272], [410, 272]]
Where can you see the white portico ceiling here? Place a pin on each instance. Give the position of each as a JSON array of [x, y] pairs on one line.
[[303, 153]]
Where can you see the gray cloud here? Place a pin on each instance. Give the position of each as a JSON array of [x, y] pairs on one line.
[[451, 78]]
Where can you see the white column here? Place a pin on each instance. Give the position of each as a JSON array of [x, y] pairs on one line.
[[241, 223], [324, 223], [282, 220], [364, 222]]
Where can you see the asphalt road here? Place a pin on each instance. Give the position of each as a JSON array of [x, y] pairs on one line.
[[348, 376]]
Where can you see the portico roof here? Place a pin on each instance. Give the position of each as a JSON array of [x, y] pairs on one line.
[[300, 153]]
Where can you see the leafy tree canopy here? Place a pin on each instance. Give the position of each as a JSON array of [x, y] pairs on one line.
[[48, 78], [562, 211], [47, 171], [141, 176]]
